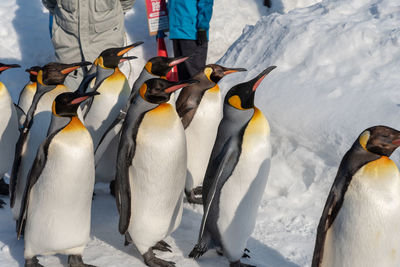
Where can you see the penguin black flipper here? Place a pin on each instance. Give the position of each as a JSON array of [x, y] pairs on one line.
[[126, 152], [218, 171], [352, 161], [20, 115], [34, 174], [115, 128]]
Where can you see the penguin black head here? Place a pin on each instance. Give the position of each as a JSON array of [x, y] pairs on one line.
[[55, 73], [66, 104], [111, 57], [216, 72], [241, 96], [159, 90], [381, 140], [4, 67], [33, 72], [160, 66]]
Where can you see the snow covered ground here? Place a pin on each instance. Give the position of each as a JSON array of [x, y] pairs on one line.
[[338, 73]]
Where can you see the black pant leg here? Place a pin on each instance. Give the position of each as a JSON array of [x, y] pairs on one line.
[[197, 60]]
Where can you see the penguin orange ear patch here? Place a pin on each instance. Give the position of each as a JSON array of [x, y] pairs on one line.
[[235, 102], [148, 67], [40, 77], [143, 90], [364, 137], [208, 71]]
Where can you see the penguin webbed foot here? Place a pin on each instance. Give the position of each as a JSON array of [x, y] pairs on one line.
[[76, 261], [33, 262], [240, 264], [193, 197], [151, 260], [245, 255], [198, 250], [4, 187], [162, 246]]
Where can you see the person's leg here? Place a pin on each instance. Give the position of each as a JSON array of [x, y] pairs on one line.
[[197, 54]]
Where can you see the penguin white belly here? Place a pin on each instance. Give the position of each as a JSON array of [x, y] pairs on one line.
[[366, 231], [200, 137], [114, 92], [8, 131], [157, 177], [58, 217], [242, 192], [25, 100], [36, 136]]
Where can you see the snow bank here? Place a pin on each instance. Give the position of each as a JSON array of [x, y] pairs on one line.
[[337, 75]]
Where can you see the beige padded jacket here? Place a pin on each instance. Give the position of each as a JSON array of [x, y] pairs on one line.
[[84, 28]]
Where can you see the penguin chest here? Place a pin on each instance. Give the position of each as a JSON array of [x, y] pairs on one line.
[[242, 192], [157, 176], [60, 202], [366, 231], [200, 136], [8, 130], [114, 92], [26, 97]]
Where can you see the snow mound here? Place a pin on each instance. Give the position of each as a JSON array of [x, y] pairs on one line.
[[337, 75]]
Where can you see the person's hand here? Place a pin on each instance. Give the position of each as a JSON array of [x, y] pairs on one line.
[[201, 37]]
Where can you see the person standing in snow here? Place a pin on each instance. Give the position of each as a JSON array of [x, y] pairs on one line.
[[189, 21], [81, 30]]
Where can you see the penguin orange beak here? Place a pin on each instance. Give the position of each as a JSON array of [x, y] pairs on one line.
[[75, 66], [396, 142], [229, 71], [126, 59], [177, 61], [175, 87], [127, 48], [261, 77], [83, 97], [9, 66], [32, 72]]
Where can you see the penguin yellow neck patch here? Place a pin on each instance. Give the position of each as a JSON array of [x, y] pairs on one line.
[[214, 89], [381, 167], [364, 137], [3, 88], [74, 125]]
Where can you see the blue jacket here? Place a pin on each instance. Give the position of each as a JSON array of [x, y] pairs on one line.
[[186, 16]]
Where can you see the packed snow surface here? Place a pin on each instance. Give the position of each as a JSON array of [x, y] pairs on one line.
[[337, 74]]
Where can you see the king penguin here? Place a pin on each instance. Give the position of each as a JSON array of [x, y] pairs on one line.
[[200, 108], [359, 225], [8, 131], [114, 92], [29, 90], [34, 129], [106, 151], [57, 201], [151, 169], [236, 174]]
